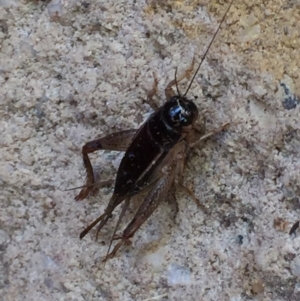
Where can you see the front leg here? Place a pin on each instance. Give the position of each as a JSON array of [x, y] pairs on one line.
[[153, 104], [114, 142], [186, 74]]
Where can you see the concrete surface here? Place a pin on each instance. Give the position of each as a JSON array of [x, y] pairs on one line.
[[71, 71]]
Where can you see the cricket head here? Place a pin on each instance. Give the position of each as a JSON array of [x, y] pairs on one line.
[[180, 112]]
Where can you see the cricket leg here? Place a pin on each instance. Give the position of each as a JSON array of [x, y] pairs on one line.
[[91, 226], [215, 131], [186, 74], [115, 142], [153, 104], [209, 134], [102, 219], [115, 200], [199, 131], [179, 183], [171, 199], [124, 208], [153, 199], [193, 197]]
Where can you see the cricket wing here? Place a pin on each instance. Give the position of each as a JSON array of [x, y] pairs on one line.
[[140, 160]]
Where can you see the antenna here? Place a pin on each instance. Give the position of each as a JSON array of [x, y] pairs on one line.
[[212, 40], [176, 83]]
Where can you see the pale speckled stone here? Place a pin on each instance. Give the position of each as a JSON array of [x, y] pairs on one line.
[[71, 72]]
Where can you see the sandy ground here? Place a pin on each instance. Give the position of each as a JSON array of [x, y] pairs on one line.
[[71, 71]]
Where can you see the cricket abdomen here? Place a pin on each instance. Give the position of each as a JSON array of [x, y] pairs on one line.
[[141, 158]]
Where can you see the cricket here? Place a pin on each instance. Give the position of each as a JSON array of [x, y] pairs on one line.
[[155, 156]]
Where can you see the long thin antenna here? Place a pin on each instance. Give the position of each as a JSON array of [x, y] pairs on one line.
[[176, 83], [212, 40]]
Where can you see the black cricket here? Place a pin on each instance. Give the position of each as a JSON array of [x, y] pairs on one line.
[[154, 159]]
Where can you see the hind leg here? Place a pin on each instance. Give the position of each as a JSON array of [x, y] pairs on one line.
[[153, 199], [116, 142]]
